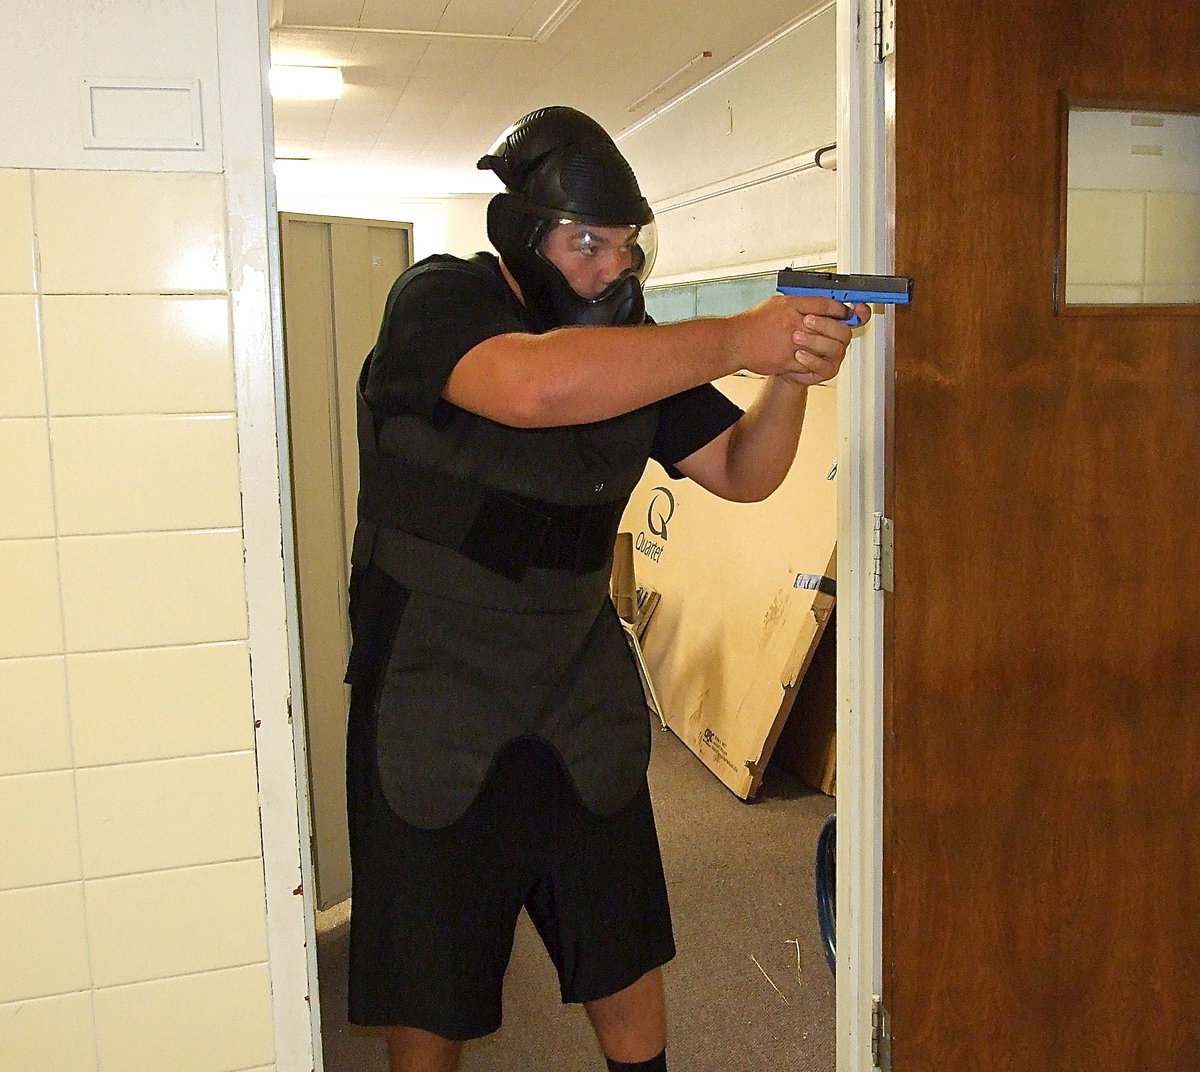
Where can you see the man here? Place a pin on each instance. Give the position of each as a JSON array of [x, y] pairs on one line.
[[498, 737]]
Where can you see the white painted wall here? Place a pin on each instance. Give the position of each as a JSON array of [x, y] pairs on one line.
[[719, 164], [50, 47]]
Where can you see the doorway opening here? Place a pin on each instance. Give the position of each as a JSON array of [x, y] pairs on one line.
[[752, 971], [800, 961]]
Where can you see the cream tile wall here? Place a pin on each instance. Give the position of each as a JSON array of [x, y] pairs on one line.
[[132, 920], [1173, 246], [16, 251], [1133, 246], [1106, 237], [21, 373]]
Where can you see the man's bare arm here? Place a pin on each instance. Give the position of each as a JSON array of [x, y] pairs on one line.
[[578, 375]]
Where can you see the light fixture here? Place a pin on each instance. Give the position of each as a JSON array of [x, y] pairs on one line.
[[306, 83]]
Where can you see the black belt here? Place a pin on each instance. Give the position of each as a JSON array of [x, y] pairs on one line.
[[503, 531]]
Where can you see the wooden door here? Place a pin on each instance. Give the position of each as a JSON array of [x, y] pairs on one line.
[[1042, 660], [336, 277]]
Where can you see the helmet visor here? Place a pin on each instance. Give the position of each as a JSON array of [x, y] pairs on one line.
[[609, 249]]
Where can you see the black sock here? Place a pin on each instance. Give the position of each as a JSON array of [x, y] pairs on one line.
[[655, 1064]]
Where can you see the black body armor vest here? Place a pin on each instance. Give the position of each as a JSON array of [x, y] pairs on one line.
[[501, 539]]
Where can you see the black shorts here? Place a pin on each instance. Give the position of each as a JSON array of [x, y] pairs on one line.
[[433, 912]]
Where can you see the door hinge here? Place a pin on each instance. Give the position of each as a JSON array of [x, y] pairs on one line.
[[881, 1036], [885, 568], [885, 29]]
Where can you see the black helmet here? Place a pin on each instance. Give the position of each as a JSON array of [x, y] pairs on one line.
[[559, 165], [533, 136]]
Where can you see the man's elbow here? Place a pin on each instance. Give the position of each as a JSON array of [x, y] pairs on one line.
[[527, 405], [494, 383], [744, 487], [753, 491], [523, 396]]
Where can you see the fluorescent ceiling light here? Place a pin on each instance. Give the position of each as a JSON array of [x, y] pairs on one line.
[[306, 83]]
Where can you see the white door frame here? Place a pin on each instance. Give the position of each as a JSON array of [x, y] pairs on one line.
[[257, 343], [864, 245]]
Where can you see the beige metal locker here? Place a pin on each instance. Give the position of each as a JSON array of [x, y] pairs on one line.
[[336, 277]]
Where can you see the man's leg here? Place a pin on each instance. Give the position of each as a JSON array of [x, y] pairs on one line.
[[414, 1050], [631, 1025]]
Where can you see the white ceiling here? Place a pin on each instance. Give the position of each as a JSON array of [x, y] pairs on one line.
[[431, 83]]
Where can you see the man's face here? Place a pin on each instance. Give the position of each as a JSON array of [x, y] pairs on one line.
[[590, 257]]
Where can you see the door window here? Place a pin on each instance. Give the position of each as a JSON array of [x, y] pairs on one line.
[[1132, 209]]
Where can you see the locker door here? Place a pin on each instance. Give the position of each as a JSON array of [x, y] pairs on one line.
[[336, 277]]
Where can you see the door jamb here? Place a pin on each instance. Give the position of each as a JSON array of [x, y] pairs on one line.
[[864, 245], [243, 47]]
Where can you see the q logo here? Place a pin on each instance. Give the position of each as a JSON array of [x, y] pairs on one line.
[[659, 512]]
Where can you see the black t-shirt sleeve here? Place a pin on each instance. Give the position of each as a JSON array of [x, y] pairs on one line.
[[689, 420], [441, 308], [435, 313]]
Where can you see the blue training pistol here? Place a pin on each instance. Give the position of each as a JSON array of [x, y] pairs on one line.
[[880, 289]]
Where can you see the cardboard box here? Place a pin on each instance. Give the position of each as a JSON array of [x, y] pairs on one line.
[[746, 590]]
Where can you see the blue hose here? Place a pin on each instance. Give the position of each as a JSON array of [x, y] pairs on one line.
[[827, 888]]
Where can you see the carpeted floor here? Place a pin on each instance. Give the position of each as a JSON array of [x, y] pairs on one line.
[[749, 990]]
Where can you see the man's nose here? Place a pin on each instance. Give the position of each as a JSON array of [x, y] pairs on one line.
[[615, 267]]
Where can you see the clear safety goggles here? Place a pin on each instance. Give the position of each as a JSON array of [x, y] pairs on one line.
[[637, 243]]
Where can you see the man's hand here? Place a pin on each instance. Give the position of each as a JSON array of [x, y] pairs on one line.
[[801, 338]]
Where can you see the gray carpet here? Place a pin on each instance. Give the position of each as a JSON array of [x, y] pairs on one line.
[[749, 990]]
